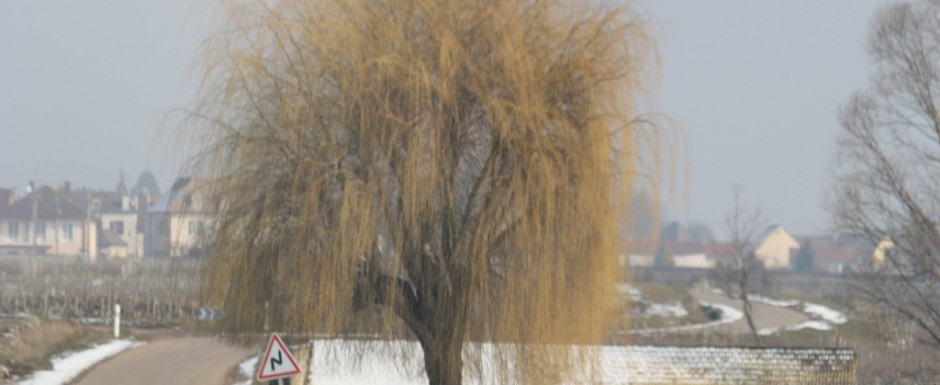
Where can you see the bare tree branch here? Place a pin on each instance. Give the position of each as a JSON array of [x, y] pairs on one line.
[[886, 171]]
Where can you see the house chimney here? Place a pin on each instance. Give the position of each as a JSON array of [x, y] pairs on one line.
[[7, 196]]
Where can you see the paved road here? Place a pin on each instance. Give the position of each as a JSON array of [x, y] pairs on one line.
[[765, 316], [177, 360]]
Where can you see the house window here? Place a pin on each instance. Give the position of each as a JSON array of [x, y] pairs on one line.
[[195, 227], [13, 230], [67, 232], [41, 230], [192, 202], [117, 227]]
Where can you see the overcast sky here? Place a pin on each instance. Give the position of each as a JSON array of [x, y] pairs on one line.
[[755, 87], [86, 86]]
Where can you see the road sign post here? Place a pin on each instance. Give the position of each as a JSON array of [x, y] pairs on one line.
[[278, 363]]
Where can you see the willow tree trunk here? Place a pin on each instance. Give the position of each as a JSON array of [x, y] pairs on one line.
[[435, 305], [443, 363]]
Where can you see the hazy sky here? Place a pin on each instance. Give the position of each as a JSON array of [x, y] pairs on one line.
[[86, 88], [754, 86]]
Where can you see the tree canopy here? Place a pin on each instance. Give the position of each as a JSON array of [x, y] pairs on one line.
[[450, 168]]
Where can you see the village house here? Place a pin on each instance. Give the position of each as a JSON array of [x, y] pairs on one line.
[[107, 221], [681, 254], [870, 254], [828, 256], [116, 214], [45, 222], [176, 225], [773, 247]]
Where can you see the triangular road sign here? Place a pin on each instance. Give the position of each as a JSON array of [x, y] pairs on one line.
[[278, 362]]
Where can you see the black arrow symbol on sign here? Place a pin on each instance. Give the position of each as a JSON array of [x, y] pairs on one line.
[[277, 361]]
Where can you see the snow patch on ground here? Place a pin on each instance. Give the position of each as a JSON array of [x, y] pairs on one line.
[[817, 325], [652, 309], [728, 315], [626, 288], [824, 317], [349, 362], [767, 331], [247, 369], [666, 310], [66, 368], [773, 302], [827, 314]]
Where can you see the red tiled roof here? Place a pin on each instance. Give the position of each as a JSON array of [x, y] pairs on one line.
[[649, 247], [834, 255]]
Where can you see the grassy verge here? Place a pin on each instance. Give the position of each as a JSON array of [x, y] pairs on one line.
[[30, 343], [660, 293], [657, 292]]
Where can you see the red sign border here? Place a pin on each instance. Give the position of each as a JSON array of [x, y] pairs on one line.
[[267, 355]]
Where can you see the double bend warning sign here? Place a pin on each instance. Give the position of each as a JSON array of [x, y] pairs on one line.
[[278, 362]]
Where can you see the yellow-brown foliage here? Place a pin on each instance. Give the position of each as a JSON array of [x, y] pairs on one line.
[[454, 164]]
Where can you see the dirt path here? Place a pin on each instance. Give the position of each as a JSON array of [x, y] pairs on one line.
[[178, 360], [765, 316]]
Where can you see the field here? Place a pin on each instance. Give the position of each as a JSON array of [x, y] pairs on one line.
[[886, 343], [151, 292], [51, 305], [39, 297]]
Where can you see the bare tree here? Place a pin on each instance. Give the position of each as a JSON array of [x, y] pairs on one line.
[[742, 266], [887, 171], [449, 167]]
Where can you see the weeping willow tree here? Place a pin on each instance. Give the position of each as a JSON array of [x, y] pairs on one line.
[[449, 166]]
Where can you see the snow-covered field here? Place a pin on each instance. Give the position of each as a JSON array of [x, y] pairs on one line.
[[66, 368], [353, 362]]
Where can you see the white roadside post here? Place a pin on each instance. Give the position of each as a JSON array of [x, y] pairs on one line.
[[117, 321]]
